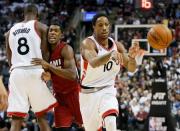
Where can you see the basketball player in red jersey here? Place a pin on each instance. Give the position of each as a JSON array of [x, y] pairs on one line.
[[64, 79], [24, 41], [3, 96]]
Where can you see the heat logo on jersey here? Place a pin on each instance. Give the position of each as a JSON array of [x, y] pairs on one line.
[[56, 62]]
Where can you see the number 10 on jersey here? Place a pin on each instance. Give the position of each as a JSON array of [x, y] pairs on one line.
[[108, 66]]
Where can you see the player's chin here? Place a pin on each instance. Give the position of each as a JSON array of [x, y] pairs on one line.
[[52, 41], [104, 36]]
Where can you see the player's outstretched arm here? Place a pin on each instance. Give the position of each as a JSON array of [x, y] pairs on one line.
[[3, 96], [89, 53], [129, 61]]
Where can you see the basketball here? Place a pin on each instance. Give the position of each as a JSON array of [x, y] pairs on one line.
[[159, 36]]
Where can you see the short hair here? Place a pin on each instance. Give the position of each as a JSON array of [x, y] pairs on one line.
[[31, 9], [55, 21], [94, 19]]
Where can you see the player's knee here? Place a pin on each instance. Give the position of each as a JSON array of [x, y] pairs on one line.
[[16, 123], [110, 123], [17, 120]]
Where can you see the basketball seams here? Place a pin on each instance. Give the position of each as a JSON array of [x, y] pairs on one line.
[[156, 37], [159, 35], [152, 40]]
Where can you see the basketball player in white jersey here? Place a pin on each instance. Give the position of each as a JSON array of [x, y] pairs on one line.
[[3, 96], [24, 41], [101, 58]]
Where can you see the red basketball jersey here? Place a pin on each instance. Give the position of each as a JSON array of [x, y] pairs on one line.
[[60, 84]]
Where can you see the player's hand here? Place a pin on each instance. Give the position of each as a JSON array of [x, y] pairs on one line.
[[117, 57], [38, 61], [3, 97], [46, 76], [134, 50]]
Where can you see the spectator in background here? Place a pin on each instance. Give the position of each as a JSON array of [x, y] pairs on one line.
[[141, 117], [70, 37], [116, 8]]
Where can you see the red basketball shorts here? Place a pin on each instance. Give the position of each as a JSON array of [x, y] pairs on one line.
[[68, 110]]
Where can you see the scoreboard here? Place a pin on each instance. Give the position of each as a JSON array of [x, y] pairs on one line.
[[144, 4]]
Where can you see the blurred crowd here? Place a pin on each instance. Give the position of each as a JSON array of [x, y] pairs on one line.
[[134, 91]]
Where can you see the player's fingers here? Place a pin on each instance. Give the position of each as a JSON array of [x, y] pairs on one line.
[[134, 51], [46, 76], [36, 62], [43, 75], [37, 59], [131, 53], [131, 49], [136, 44], [48, 73]]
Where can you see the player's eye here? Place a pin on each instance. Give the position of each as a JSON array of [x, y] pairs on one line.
[[56, 30], [107, 24], [50, 30], [100, 25]]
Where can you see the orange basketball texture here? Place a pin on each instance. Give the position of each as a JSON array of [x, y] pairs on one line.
[[159, 36]]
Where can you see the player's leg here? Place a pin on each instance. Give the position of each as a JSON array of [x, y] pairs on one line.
[[73, 97], [62, 115], [18, 100], [67, 112], [16, 123], [43, 124], [89, 104], [40, 98], [109, 109]]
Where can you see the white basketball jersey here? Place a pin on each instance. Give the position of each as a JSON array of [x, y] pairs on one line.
[[24, 43], [103, 75]]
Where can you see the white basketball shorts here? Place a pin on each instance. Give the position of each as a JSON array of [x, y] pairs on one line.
[[27, 89], [96, 106]]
